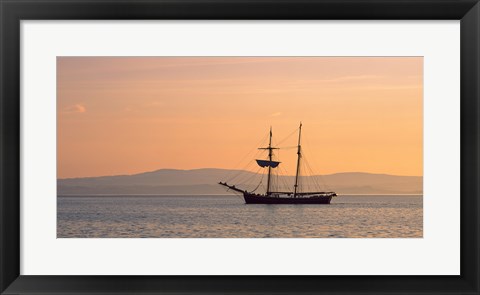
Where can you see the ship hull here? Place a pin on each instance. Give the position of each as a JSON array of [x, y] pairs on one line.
[[256, 199]]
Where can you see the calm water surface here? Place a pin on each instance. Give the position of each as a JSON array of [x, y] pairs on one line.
[[229, 217]]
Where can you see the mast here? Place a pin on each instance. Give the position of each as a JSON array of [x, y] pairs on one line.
[[299, 155], [270, 154]]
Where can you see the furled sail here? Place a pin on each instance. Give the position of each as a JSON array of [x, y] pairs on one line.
[[267, 163]]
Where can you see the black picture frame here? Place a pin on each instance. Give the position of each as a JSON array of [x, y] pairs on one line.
[[13, 11]]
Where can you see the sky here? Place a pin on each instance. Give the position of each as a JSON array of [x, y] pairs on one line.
[[127, 115]]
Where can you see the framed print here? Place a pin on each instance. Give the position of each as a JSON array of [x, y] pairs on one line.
[[238, 147]]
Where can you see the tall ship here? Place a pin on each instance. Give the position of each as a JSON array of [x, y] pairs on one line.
[[273, 196]]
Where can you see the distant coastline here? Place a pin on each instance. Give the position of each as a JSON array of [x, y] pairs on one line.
[[204, 182]]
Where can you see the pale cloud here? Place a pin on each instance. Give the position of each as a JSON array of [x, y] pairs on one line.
[[275, 114], [76, 108]]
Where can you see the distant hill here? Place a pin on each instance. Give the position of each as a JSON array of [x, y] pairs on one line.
[[204, 181]]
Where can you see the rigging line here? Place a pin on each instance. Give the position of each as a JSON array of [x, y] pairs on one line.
[[287, 177], [315, 182], [261, 181], [284, 179], [263, 186], [288, 136], [300, 187], [243, 159], [291, 178], [247, 174], [280, 182], [247, 181], [274, 180], [237, 194], [307, 140], [315, 177], [248, 163], [321, 181], [277, 181], [273, 184], [249, 167], [314, 171], [240, 173], [277, 173], [246, 168], [299, 181], [309, 169]]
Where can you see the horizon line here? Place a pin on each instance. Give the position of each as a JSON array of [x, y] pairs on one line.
[[193, 169]]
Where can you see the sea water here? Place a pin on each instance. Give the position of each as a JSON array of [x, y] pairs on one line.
[[152, 216]]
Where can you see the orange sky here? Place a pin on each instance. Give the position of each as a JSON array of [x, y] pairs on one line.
[[119, 115]]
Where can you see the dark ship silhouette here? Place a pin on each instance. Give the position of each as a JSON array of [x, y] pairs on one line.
[[282, 197]]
